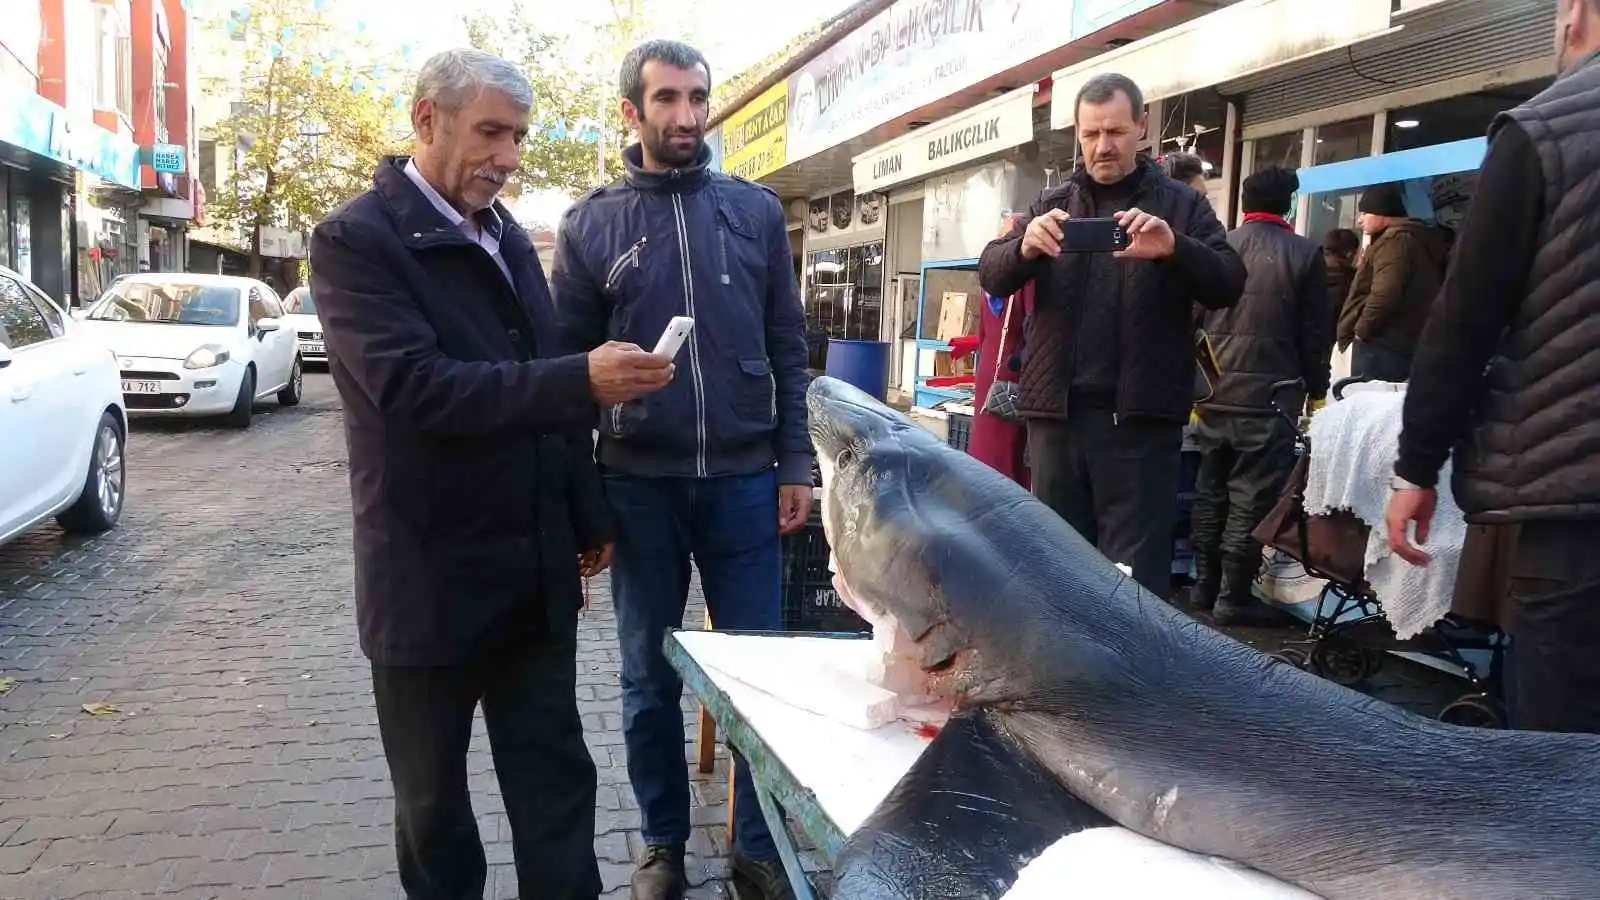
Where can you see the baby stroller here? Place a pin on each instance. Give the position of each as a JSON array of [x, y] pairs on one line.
[[1349, 638]]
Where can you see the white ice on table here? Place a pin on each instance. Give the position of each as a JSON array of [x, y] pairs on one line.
[[1116, 862], [774, 684]]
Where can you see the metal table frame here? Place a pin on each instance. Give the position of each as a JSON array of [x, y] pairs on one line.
[[777, 790]]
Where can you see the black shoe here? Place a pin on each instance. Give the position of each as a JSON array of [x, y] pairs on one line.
[[1252, 614], [768, 876], [660, 874]]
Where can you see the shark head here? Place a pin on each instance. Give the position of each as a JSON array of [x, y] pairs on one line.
[[965, 564]]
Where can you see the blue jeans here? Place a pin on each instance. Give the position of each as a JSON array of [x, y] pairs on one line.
[[729, 525]]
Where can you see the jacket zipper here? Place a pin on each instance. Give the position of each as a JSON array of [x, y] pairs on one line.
[[616, 419], [631, 256], [694, 343], [772, 405], [722, 252]]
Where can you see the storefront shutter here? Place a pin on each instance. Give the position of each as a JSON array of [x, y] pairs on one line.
[[1438, 42]]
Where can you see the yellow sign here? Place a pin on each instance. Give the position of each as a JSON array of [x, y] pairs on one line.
[[754, 139]]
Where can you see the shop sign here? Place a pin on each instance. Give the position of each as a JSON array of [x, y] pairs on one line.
[[35, 124], [917, 52], [754, 138], [999, 124], [1258, 35], [167, 158]]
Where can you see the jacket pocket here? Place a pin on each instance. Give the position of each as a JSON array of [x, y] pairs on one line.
[[756, 396], [624, 264]]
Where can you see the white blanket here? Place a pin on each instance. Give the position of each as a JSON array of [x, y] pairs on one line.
[[1354, 443]]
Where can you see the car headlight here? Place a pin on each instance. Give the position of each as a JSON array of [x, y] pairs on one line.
[[205, 357]]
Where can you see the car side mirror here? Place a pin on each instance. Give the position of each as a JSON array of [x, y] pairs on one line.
[[264, 326], [5, 356]]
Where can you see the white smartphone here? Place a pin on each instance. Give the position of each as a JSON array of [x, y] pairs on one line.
[[672, 339]]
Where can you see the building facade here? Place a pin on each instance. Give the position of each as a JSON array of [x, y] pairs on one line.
[[899, 147], [66, 137]]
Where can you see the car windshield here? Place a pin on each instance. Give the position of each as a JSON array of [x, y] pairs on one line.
[[169, 303], [299, 301]]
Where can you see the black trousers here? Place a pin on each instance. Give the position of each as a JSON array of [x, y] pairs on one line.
[[1379, 363], [1244, 462], [1553, 618], [1116, 483], [547, 778]]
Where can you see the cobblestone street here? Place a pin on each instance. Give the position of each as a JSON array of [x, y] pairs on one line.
[[241, 758], [244, 759]]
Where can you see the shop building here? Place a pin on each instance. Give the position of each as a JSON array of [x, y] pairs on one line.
[[163, 72], [905, 144], [895, 169], [65, 135]]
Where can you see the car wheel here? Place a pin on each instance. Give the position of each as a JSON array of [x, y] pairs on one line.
[[290, 395], [100, 505], [244, 404]]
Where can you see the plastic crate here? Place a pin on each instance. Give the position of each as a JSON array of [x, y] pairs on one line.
[[810, 602], [960, 433]]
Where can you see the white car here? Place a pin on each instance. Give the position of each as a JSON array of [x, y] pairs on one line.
[[300, 316], [63, 428], [197, 345]]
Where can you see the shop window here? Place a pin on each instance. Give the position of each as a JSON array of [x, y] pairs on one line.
[[1341, 141], [1281, 150], [844, 296], [1456, 118]]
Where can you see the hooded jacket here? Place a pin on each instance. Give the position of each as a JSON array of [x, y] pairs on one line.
[[1395, 287]]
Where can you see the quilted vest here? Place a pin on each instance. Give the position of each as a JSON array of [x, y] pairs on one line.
[[1535, 452]]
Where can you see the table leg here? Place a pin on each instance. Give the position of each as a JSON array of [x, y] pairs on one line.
[[786, 848], [706, 742]]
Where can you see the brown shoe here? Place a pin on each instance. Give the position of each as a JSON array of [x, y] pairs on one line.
[[660, 875]]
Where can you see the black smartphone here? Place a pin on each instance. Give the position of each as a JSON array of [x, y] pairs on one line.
[[1092, 236]]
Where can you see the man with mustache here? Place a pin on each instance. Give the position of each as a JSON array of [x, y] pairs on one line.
[[478, 507], [716, 466], [1108, 368]]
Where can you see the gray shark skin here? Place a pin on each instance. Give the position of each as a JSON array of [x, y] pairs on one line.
[[1165, 726]]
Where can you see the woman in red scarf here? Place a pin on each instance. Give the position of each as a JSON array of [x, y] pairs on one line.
[[995, 441]]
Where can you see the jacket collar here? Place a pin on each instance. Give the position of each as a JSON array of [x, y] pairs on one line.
[[419, 221], [1583, 62], [1269, 218], [686, 178]]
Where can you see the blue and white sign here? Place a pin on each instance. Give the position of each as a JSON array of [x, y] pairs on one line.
[[33, 123], [167, 158]]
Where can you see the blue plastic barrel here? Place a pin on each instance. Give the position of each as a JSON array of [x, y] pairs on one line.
[[863, 364]]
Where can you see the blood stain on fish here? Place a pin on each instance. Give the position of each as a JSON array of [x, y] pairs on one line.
[[926, 730]]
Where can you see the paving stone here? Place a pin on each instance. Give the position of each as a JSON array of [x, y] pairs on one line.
[[245, 760]]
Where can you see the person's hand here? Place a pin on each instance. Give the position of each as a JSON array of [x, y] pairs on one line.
[[619, 372], [1149, 237], [593, 562], [1405, 507], [794, 506], [1043, 235]]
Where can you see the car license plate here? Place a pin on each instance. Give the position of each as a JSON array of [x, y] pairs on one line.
[[313, 346], [141, 387]]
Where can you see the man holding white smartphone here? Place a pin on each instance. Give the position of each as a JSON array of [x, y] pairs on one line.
[[716, 465]]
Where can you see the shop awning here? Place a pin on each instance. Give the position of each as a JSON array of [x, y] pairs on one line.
[[985, 129], [1233, 42]]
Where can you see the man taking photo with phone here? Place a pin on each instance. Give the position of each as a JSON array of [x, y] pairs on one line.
[[1108, 372], [715, 466]]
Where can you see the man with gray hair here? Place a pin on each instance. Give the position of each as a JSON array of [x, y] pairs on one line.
[[478, 507]]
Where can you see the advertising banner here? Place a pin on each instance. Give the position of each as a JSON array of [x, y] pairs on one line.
[[35, 124], [1000, 124], [753, 138], [920, 51]]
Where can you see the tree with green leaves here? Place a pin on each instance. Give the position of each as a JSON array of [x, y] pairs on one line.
[[315, 106], [569, 138]]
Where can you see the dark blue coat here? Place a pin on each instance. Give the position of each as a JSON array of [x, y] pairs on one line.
[[698, 243], [471, 458]]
